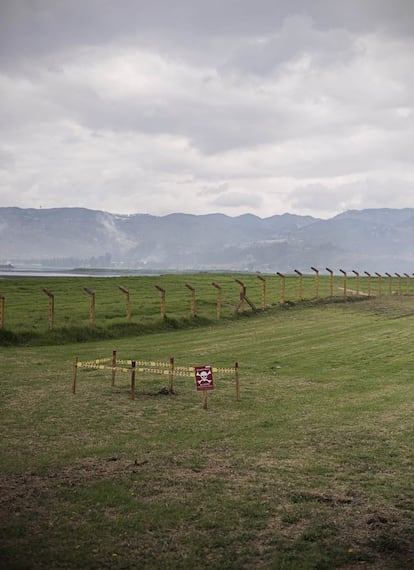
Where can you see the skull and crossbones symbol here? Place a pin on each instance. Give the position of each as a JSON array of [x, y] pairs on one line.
[[203, 377]]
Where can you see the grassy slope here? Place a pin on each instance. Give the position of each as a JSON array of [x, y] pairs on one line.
[[312, 469], [27, 307]]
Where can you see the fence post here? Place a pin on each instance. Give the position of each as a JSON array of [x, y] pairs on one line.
[[92, 315], [217, 286], [399, 283], [357, 281], [407, 290], [171, 376], [389, 283], [236, 373], [316, 282], [133, 369], [369, 282], [51, 307], [379, 283], [74, 374], [192, 302], [125, 291], [113, 367], [331, 280], [263, 280], [345, 288], [242, 295], [2, 302], [282, 287], [162, 291], [300, 292]]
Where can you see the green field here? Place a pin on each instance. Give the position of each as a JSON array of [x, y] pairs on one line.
[[312, 469], [25, 308]]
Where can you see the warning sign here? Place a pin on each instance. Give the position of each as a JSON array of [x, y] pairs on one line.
[[204, 378]]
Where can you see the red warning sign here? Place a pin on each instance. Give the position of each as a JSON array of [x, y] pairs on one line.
[[204, 378]]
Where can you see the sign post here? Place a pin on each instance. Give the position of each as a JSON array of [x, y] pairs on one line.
[[204, 381]]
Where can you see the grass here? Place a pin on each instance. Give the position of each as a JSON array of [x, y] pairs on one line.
[[311, 469], [27, 308]]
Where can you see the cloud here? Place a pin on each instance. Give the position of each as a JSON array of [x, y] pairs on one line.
[[135, 106], [364, 193]]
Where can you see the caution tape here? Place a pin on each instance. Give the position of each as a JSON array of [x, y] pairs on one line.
[[147, 367]]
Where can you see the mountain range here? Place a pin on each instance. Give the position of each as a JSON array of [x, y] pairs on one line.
[[362, 240]]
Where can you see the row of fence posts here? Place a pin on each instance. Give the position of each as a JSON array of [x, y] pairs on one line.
[[243, 296]]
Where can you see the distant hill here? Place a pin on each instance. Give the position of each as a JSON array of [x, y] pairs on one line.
[[365, 240]]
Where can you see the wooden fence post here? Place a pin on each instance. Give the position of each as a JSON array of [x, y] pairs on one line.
[[357, 281], [379, 283], [92, 315], [407, 290], [127, 302], [236, 373], [316, 282], [113, 367], [192, 302], [51, 307], [331, 281], [74, 374], [389, 283], [300, 291], [369, 282], [282, 287], [345, 288], [133, 370], [263, 280], [399, 283], [162, 291], [171, 376], [242, 295], [219, 299]]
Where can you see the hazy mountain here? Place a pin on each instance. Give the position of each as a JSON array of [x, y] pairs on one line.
[[371, 240]]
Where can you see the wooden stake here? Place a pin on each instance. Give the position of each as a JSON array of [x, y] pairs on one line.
[[171, 376], [236, 373], [74, 374], [205, 399], [133, 364], [113, 367]]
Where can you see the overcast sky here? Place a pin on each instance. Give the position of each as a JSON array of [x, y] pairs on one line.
[[232, 106]]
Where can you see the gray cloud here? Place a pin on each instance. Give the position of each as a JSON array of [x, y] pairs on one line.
[[194, 106]]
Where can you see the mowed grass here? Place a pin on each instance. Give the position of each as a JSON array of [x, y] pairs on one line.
[[313, 468]]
